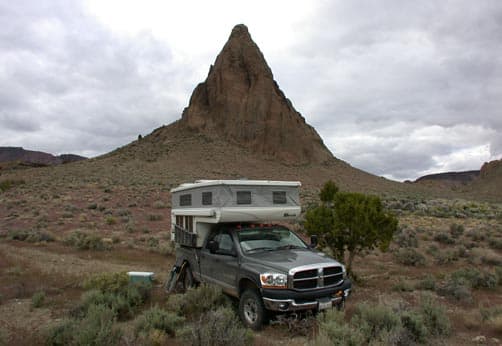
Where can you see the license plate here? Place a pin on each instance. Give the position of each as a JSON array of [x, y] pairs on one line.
[[325, 304]]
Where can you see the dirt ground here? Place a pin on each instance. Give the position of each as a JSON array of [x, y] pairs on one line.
[[133, 227]]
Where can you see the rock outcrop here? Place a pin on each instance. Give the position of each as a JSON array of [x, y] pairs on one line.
[[240, 102]]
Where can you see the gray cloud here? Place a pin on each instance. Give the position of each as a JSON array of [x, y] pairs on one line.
[[67, 84], [396, 88]]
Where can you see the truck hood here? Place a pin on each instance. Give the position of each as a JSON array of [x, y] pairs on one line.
[[285, 260]]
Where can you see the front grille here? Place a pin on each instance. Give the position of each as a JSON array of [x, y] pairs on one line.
[[318, 277]]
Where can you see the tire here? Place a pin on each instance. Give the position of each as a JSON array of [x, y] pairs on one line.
[[188, 279], [251, 310]]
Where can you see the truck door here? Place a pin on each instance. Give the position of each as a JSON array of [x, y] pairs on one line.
[[221, 267]]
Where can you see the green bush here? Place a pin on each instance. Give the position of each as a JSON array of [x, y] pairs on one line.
[[456, 230], [406, 238], [196, 301], [402, 286], [445, 257], [96, 328], [220, 327], [373, 320], [32, 236], [495, 243], [428, 283], [333, 330], [38, 299], [413, 322], [409, 257], [10, 183], [108, 282], [434, 317], [84, 241], [476, 278], [444, 238], [457, 288], [157, 318]]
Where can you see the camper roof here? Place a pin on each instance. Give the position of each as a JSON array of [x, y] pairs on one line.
[[242, 182]]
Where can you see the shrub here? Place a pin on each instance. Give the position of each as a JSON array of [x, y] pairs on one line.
[[373, 320], [495, 243], [38, 299], [459, 289], [32, 236], [406, 238], [428, 283], [333, 330], [444, 238], [84, 241], [92, 206], [218, 328], [445, 257], [10, 183], [113, 291], [157, 318], [476, 278], [402, 286], [96, 328], [108, 282], [409, 257], [413, 322], [456, 230], [110, 220], [491, 259], [196, 301], [434, 317]]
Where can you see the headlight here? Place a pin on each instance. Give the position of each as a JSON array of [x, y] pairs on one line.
[[344, 272], [274, 280]]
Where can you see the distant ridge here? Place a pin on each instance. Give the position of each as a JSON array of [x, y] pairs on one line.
[[460, 177], [35, 158]]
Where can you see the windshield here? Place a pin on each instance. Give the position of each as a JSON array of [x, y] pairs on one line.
[[268, 239]]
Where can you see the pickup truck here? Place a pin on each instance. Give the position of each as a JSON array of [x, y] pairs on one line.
[[268, 268]]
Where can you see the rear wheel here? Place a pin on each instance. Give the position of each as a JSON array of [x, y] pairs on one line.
[[251, 310], [188, 279]]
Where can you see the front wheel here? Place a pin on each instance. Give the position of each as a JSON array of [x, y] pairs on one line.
[[251, 310]]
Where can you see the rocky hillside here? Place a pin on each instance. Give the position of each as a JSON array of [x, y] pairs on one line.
[[34, 158], [241, 102]]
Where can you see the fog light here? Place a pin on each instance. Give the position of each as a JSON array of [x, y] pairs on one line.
[[339, 294], [283, 306]]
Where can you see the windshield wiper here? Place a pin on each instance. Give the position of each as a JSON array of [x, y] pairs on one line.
[[288, 247], [261, 249]]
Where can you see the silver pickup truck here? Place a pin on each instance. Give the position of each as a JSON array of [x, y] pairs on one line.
[[267, 267]]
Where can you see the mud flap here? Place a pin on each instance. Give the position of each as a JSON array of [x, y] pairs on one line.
[[175, 277]]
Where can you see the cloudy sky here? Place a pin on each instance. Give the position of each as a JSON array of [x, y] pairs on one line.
[[399, 89]]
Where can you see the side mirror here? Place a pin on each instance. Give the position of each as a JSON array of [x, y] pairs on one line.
[[313, 241], [213, 246]]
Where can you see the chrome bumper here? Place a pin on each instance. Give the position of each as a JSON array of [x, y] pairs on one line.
[[286, 305]]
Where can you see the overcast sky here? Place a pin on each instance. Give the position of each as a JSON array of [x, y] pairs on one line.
[[399, 89]]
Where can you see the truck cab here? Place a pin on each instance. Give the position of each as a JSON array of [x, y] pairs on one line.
[[265, 265]]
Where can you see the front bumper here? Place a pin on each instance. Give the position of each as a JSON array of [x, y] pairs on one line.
[[289, 300]]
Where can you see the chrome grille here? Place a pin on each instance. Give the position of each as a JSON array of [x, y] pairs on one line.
[[317, 277]]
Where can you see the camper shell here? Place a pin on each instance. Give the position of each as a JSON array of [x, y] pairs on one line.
[[196, 207]]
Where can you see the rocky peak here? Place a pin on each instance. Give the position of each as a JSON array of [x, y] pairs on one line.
[[241, 102]]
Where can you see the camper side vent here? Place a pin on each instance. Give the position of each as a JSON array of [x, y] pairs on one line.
[[207, 198]]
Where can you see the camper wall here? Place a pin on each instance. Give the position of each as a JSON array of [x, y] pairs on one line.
[[220, 196]]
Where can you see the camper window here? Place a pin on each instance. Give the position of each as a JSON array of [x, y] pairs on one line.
[[279, 197], [185, 200], [207, 198], [243, 197]]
